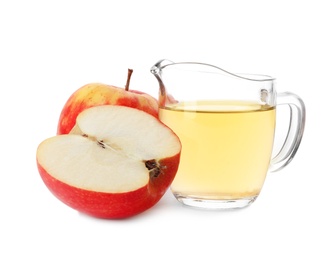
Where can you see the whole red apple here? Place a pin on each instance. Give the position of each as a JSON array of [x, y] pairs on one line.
[[96, 94], [116, 162]]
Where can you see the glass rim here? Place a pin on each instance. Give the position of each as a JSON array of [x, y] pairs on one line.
[[247, 76]]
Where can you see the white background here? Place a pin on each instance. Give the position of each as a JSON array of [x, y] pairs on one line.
[[48, 49]]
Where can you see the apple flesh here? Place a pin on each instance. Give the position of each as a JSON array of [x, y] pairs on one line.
[[96, 94], [115, 163]]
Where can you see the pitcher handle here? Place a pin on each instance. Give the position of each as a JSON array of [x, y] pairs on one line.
[[295, 131]]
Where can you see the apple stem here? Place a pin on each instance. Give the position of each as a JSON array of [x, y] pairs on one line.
[[128, 79]]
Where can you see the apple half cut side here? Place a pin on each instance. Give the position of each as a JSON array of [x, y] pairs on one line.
[[115, 163]]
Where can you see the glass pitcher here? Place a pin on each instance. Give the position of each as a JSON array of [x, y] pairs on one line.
[[226, 123]]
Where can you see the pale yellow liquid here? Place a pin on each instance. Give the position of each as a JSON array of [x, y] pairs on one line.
[[226, 147]]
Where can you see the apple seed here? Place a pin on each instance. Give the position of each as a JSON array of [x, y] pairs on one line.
[[153, 167], [102, 144]]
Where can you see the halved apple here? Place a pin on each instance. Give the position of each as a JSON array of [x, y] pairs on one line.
[[98, 94], [115, 163]]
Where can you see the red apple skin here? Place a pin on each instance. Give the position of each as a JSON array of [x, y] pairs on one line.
[[96, 94], [114, 205]]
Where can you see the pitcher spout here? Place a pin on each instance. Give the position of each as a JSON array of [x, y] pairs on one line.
[[156, 70]]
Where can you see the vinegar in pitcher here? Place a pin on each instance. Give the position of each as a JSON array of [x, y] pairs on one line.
[[226, 147]]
